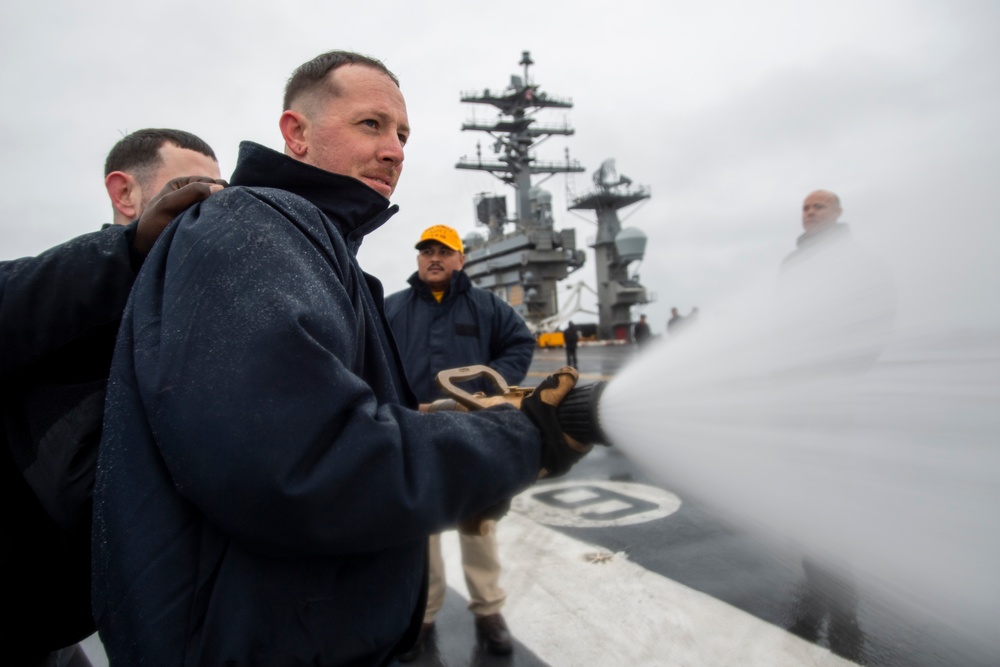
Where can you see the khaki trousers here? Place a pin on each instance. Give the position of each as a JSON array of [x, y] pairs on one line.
[[481, 563]]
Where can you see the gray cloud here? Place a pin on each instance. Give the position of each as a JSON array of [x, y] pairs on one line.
[[730, 113]]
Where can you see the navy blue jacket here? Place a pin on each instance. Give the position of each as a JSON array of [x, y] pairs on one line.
[[59, 315], [469, 326], [264, 489]]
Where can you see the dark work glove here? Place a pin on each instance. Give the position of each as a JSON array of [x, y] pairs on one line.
[[559, 451]]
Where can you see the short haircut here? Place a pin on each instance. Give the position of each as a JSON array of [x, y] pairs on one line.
[[139, 153], [310, 77]]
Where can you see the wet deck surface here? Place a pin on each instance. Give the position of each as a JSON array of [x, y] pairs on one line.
[[710, 594], [607, 567]]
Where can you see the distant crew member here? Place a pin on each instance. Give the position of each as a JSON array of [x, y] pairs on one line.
[[570, 338], [675, 322], [641, 331], [829, 273]]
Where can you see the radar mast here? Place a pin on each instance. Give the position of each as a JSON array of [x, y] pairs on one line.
[[614, 249], [523, 265]]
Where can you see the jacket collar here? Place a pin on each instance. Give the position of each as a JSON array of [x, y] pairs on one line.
[[353, 207]]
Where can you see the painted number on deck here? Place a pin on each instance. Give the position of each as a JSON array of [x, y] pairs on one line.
[[591, 503]]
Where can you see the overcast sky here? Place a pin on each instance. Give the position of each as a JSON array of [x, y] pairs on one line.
[[731, 112]]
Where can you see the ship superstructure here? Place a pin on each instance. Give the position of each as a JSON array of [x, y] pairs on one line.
[[523, 264], [614, 249]]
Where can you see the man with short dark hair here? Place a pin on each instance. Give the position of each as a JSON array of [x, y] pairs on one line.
[[59, 315], [266, 485], [440, 322], [141, 163]]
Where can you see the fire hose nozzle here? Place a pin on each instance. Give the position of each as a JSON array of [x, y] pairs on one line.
[[578, 413]]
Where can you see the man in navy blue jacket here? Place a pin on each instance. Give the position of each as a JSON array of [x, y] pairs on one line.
[[265, 485], [442, 321], [59, 315]]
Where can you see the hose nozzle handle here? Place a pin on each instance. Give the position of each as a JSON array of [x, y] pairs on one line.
[[577, 413]]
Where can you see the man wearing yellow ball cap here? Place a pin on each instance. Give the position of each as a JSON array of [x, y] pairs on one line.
[[442, 321]]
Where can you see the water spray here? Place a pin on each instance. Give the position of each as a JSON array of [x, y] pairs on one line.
[[808, 409], [805, 408]]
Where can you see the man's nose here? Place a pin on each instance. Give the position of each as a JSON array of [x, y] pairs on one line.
[[391, 149]]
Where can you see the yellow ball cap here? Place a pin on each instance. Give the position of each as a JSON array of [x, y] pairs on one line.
[[444, 235]]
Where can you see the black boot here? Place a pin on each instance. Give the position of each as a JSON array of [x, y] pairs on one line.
[[493, 631]]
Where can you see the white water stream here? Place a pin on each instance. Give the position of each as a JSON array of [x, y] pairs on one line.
[[812, 407]]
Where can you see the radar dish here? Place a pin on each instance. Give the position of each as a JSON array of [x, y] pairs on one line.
[[606, 176]]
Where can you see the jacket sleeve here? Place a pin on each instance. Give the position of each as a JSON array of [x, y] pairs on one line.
[[54, 298], [511, 344], [257, 370]]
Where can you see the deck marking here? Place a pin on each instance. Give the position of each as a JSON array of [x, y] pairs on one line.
[[595, 503], [570, 611]]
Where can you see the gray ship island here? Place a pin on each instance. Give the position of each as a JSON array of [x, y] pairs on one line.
[[522, 258]]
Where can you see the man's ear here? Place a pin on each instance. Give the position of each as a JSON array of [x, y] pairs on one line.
[[125, 195], [461, 260], [293, 127]]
